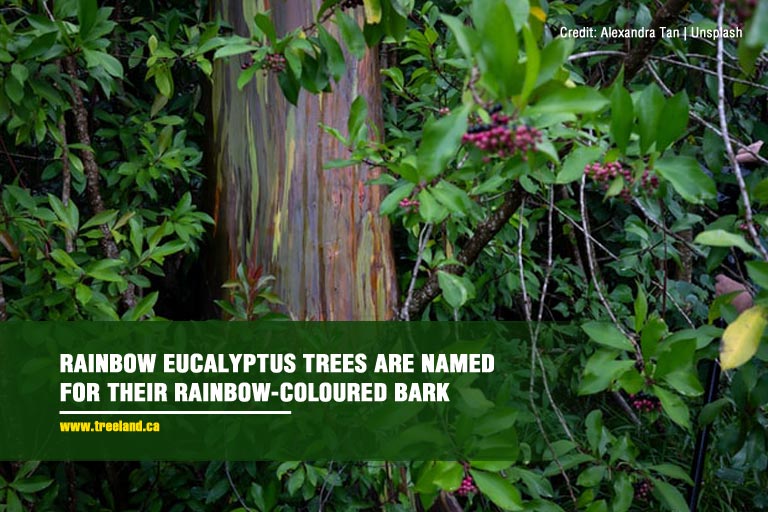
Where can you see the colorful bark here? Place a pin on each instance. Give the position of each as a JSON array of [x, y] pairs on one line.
[[317, 231]]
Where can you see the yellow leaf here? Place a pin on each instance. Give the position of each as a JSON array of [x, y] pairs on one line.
[[539, 14], [372, 11], [742, 337]]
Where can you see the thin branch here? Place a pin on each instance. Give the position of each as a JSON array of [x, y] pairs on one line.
[[728, 147], [484, 233], [426, 232], [597, 53], [593, 272], [3, 313], [664, 17], [66, 176], [708, 72], [234, 489]]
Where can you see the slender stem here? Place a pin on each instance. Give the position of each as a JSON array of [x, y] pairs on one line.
[[728, 147], [234, 488], [426, 232]]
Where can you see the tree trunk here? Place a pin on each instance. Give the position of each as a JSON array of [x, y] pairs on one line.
[[317, 231]]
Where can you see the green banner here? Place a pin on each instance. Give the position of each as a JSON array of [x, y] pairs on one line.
[[258, 391]]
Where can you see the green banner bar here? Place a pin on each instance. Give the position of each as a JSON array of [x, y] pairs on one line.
[[257, 391]]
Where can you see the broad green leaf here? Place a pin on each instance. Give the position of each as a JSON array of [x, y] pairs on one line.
[[264, 22], [674, 406], [83, 293], [641, 309], [110, 64], [742, 337], [105, 270], [576, 100], [756, 34], [650, 111], [456, 289], [12, 503], [451, 196], [144, 307], [449, 479], [244, 78], [358, 115], [31, 484], [336, 62], [607, 334], [673, 122], [351, 34], [623, 493], [622, 117], [553, 56], [669, 496], [686, 176], [594, 424], [64, 259], [672, 471], [87, 14], [532, 64], [440, 142], [105, 217], [465, 36], [574, 163], [429, 209], [591, 476], [390, 203], [498, 490], [722, 238], [601, 370], [233, 49], [498, 55]]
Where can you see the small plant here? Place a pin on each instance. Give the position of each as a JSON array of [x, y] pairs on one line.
[[250, 294]]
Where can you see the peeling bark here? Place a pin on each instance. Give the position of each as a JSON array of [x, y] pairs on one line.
[[317, 231]]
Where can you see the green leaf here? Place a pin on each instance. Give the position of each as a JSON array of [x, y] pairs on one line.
[[449, 479], [336, 62], [622, 117], [164, 81], [498, 490], [105, 270], [687, 178], [245, 77], [641, 308], [264, 22], [358, 115], [290, 86], [624, 493], [64, 259], [594, 424], [144, 307], [429, 209], [601, 370], [20, 72], [553, 56], [574, 163], [440, 142], [105, 217], [650, 111], [591, 477], [83, 293], [532, 64], [607, 334], [233, 49], [756, 34], [390, 203], [673, 122], [758, 272], [111, 65], [722, 238], [451, 196], [466, 38], [577, 100], [674, 406], [32, 484], [498, 53], [672, 471], [351, 34], [87, 13], [669, 496], [12, 503], [456, 290]]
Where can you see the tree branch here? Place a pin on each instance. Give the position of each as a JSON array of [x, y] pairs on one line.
[[92, 172], [664, 17], [484, 233]]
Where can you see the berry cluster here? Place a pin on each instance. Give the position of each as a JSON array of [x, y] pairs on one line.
[[350, 4], [443, 111], [274, 62], [467, 486], [605, 173], [643, 489], [645, 403], [410, 204], [737, 12], [499, 139]]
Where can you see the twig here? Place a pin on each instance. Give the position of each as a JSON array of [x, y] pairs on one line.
[[484, 233], [597, 53], [66, 176], [596, 283], [3, 313], [708, 72], [426, 232], [728, 146], [234, 489], [627, 409]]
